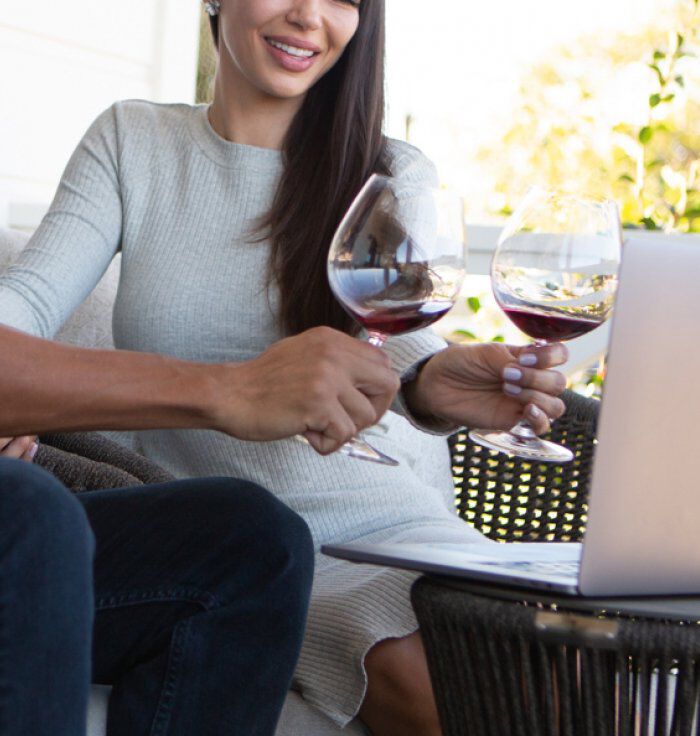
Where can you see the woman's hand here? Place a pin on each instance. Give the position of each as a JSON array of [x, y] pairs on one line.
[[491, 386], [19, 448]]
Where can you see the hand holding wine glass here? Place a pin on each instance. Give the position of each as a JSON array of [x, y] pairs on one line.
[[554, 274], [463, 385]]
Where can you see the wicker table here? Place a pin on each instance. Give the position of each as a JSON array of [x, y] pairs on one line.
[[506, 661]]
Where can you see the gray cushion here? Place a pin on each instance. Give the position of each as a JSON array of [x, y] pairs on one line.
[[298, 718]]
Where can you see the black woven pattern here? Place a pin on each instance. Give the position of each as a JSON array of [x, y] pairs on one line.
[[510, 499], [496, 672]]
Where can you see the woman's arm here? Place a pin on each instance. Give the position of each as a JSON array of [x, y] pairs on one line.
[[76, 240], [47, 386]]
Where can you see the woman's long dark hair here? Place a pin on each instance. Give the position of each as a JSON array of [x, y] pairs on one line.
[[333, 145]]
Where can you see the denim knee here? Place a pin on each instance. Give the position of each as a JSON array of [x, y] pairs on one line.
[[244, 518], [42, 512], [255, 508]]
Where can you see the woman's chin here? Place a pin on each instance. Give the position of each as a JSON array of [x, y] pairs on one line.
[[287, 89]]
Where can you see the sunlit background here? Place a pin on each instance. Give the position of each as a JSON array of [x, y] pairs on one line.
[[456, 73]]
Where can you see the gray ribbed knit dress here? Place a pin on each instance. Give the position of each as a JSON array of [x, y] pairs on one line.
[[180, 202]]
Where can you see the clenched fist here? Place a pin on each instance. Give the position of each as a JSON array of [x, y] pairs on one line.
[[322, 384]]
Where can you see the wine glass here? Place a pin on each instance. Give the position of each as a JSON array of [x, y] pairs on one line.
[[554, 274], [396, 264]]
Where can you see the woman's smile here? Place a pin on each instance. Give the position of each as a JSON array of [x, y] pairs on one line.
[[281, 48], [292, 54]]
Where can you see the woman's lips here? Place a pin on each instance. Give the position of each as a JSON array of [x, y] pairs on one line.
[[288, 61]]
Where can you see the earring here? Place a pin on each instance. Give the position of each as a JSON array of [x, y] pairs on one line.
[[212, 7]]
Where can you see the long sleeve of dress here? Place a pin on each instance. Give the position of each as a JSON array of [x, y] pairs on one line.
[[408, 351], [75, 242]]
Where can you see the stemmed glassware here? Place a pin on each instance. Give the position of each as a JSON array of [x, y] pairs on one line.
[[554, 274], [396, 264]]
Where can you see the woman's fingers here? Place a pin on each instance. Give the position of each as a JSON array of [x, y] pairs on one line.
[[544, 381], [19, 448], [31, 452], [537, 390], [541, 356], [538, 419], [552, 406]]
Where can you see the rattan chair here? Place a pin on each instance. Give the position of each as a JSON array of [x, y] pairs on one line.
[[508, 663], [514, 500]]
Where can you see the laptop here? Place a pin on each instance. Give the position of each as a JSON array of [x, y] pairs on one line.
[[643, 528]]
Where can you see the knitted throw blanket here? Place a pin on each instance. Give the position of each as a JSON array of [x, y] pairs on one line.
[[88, 461]]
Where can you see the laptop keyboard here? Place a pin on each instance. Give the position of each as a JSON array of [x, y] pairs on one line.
[[539, 567], [566, 569]]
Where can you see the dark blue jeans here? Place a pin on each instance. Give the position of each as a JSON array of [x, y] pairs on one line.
[[199, 591]]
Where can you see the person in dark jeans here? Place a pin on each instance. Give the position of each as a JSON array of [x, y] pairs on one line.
[[196, 590], [200, 596]]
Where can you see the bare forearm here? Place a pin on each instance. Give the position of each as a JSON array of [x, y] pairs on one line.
[[46, 386], [348, 385]]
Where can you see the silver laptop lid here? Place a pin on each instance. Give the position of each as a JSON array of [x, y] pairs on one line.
[[643, 532]]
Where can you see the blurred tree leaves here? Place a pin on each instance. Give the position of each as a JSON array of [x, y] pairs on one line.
[[206, 67], [578, 129]]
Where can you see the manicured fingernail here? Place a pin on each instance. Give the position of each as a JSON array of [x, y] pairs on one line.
[[32, 450], [534, 412], [509, 388], [512, 374], [527, 359]]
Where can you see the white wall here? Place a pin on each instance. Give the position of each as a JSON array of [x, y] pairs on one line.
[[62, 62]]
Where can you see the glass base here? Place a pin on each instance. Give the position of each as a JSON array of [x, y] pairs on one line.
[[358, 448], [529, 448]]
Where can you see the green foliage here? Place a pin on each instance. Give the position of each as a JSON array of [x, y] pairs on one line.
[[474, 303], [206, 67], [578, 129], [464, 335]]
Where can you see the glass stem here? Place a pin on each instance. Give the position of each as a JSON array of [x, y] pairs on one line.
[[523, 429], [376, 338]]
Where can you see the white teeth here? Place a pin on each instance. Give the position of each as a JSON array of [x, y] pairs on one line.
[[292, 50]]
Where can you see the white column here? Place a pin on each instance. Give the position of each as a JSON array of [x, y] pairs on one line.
[[175, 50]]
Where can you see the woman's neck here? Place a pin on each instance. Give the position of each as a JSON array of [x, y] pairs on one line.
[[242, 113]]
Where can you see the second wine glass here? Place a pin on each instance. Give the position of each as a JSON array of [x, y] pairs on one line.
[[396, 264], [554, 274]]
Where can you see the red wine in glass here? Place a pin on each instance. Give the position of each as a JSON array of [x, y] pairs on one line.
[[554, 274], [397, 320], [550, 327], [392, 301]]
